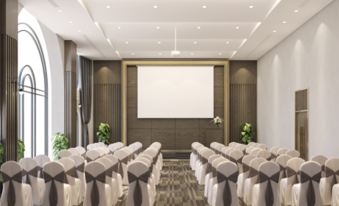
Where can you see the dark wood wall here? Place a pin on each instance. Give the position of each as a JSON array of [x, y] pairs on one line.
[[107, 97], [174, 134], [243, 96]]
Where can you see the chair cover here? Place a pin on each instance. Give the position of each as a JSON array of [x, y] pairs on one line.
[[209, 172], [202, 169], [225, 190], [282, 162], [328, 184], [74, 151], [64, 153], [115, 146], [321, 160], [97, 191], [109, 167], [236, 157], [265, 154], [293, 153], [194, 155], [274, 152], [242, 176], [282, 151], [30, 171], [80, 169], [123, 157], [92, 155], [15, 193], [81, 150], [151, 182], [41, 160], [138, 187], [58, 192], [213, 179], [72, 179], [252, 179], [266, 190], [307, 191], [285, 185], [116, 174]]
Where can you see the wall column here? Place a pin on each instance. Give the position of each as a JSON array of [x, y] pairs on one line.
[[70, 92], [8, 76]]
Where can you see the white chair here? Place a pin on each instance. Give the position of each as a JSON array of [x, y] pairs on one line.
[[81, 150], [274, 152], [80, 169], [266, 190], [202, 168], [72, 179], [328, 184], [194, 154], [116, 174], [285, 185], [225, 190], [209, 172], [58, 192], [282, 162], [244, 175], [138, 188], [252, 179], [41, 160], [30, 169], [92, 155], [109, 178], [15, 193], [74, 151], [64, 153], [115, 146], [321, 159], [264, 154], [97, 191], [151, 183], [236, 157], [307, 191], [293, 153], [213, 179], [282, 151], [123, 156]]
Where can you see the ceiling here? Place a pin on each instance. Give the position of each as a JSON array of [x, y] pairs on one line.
[[121, 29]]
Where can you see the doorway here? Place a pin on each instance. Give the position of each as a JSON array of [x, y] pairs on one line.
[[301, 122]]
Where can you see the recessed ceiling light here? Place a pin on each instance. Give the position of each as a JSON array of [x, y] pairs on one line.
[[284, 22], [228, 42], [108, 6], [158, 27], [296, 11], [159, 42], [126, 42], [59, 10], [251, 7], [155, 6], [118, 27], [70, 22], [132, 54], [195, 42], [204, 6], [79, 31], [192, 54], [219, 53], [198, 27], [160, 53], [274, 31], [237, 27]]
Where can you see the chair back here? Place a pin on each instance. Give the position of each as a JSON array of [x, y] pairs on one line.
[[12, 194], [282, 151], [81, 150], [293, 153], [246, 163], [227, 176], [74, 151], [70, 169], [236, 157], [138, 176], [282, 162], [95, 173], [92, 155], [254, 168], [321, 159], [55, 178], [268, 180], [332, 171], [42, 160], [310, 174], [64, 153], [30, 170], [80, 170], [108, 169], [264, 154], [292, 170]]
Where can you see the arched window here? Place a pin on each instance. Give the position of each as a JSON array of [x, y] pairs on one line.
[[33, 91]]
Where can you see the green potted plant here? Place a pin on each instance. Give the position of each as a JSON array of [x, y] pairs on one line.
[[104, 133], [60, 142], [246, 132], [21, 149]]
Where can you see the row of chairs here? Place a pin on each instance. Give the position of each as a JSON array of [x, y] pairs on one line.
[[279, 174], [71, 180]]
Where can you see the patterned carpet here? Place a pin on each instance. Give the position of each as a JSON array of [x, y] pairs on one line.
[[178, 186]]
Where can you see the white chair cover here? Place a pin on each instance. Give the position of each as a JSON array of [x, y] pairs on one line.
[[74, 151], [307, 191], [109, 178], [92, 155], [225, 190], [274, 152], [328, 183], [81, 150], [80, 169], [252, 179], [265, 154], [41, 160], [116, 174], [293, 153], [236, 157], [123, 157], [115, 146], [30, 170], [58, 192], [138, 187], [202, 168], [282, 151], [209, 172], [64, 153], [266, 190], [285, 185], [282, 162], [194, 154], [72, 179], [15, 193], [97, 191], [321, 159], [213, 179], [243, 176]]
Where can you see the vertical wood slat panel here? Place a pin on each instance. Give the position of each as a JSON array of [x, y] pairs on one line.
[[107, 108], [243, 108]]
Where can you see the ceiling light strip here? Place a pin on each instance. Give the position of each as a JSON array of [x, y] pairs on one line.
[[276, 3]]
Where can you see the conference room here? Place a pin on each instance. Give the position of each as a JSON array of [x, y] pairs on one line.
[[169, 103]]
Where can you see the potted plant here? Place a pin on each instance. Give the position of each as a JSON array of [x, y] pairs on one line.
[[104, 133], [217, 121], [246, 132], [21, 149], [60, 142]]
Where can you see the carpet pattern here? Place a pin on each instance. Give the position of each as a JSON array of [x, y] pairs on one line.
[[178, 186]]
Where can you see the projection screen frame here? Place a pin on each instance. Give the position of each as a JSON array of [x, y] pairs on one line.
[[126, 63]]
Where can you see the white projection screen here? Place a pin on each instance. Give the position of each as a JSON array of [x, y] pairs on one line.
[[175, 91]]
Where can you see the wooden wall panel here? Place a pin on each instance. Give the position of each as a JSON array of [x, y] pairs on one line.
[[174, 134]]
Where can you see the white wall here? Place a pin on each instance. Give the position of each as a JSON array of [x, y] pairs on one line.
[[308, 59]]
